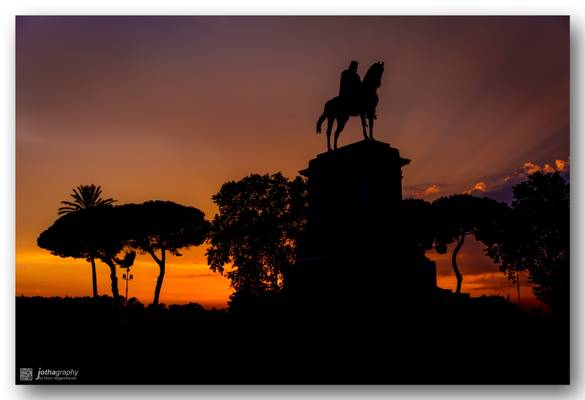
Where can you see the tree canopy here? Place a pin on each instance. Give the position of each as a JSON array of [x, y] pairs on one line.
[[535, 235], [256, 230], [157, 227], [460, 215], [86, 235]]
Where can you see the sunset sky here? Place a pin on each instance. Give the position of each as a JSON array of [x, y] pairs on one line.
[[172, 107]]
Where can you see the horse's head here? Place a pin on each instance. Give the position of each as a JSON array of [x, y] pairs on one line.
[[373, 77]]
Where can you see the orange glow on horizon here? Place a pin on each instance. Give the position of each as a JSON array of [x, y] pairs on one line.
[[188, 278], [171, 110], [39, 273], [473, 264]]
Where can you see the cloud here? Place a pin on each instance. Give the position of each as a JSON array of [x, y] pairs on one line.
[[498, 187], [530, 167], [562, 165], [501, 187], [548, 169], [433, 189], [480, 187], [426, 191]]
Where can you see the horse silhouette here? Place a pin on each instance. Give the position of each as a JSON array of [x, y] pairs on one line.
[[364, 105]]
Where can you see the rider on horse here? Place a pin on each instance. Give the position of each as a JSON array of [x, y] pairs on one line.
[[349, 86], [356, 98]]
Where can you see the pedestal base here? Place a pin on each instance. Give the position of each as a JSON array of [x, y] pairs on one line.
[[354, 249]]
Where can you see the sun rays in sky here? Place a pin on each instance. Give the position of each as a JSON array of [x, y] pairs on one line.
[[170, 108]]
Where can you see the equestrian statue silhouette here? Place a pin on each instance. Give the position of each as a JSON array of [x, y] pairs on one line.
[[355, 98]]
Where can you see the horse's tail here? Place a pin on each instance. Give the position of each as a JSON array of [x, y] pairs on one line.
[[320, 121]]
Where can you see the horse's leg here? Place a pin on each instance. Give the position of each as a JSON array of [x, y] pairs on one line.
[[364, 125], [340, 125], [329, 127], [371, 119]]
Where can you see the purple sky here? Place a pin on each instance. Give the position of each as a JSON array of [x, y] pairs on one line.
[[172, 107]]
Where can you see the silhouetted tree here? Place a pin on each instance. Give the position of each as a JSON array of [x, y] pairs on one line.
[[160, 227], [460, 215], [86, 197], [534, 237], [256, 230], [126, 263], [85, 235]]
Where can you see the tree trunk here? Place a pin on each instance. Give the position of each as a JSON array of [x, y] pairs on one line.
[[113, 278], [454, 262], [275, 269], [93, 277], [161, 276], [518, 285]]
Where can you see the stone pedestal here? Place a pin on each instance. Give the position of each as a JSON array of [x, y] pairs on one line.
[[354, 196], [354, 248]]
